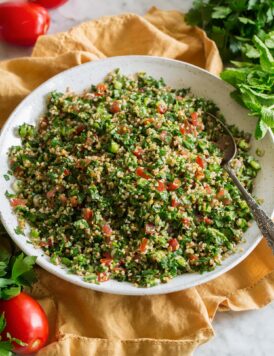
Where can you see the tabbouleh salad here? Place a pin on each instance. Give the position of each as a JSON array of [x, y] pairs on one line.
[[124, 181]]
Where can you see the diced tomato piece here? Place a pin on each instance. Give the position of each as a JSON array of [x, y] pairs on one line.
[[63, 198], [18, 172], [66, 172], [174, 185], [80, 128], [115, 107], [102, 276], [208, 189], [174, 202], [87, 213], [48, 243], [186, 222], [208, 221], [141, 173], [51, 193], [149, 229], [199, 175], [200, 161], [107, 255], [194, 119], [143, 245], [101, 89], [182, 129], [107, 230], [74, 201], [161, 108], [227, 201], [220, 194], [17, 202], [193, 258], [161, 186], [106, 261], [138, 152], [173, 244], [148, 121]]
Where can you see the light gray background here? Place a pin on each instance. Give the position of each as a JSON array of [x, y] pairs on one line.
[[237, 333]]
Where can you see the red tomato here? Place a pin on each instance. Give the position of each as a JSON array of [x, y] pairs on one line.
[[200, 162], [186, 222], [17, 202], [22, 23], [66, 172], [143, 245], [208, 221], [87, 213], [174, 202], [26, 321], [182, 130], [199, 175], [194, 119], [161, 108], [161, 186], [51, 193], [107, 230], [106, 261], [49, 4], [101, 89], [148, 121], [141, 173], [138, 152], [115, 107], [173, 244], [102, 276], [220, 194], [174, 185]]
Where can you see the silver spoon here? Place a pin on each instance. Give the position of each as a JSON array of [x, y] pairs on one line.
[[227, 145]]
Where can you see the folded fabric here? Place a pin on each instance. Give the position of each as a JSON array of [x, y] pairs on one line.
[[84, 322]]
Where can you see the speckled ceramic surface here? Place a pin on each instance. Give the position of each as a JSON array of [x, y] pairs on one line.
[[176, 74]]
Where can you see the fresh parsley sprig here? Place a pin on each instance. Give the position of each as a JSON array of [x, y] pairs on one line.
[[233, 23], [254, 85], [16, 271]]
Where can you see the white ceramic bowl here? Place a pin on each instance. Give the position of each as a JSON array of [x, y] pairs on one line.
[[177, 74]]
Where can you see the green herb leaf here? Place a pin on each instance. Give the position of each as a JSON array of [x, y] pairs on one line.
[[220, 12], [22, 265], [2, 323], [267, 115], [261, 130]]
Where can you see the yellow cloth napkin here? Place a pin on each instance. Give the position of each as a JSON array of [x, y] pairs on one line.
[[84, 322]]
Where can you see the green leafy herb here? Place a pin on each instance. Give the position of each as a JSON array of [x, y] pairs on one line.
[[254, 85], [233, 23], [15, 271]]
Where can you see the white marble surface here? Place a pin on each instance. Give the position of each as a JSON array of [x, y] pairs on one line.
[[237, 334]]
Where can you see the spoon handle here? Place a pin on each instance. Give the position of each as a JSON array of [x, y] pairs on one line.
[[265, 224]]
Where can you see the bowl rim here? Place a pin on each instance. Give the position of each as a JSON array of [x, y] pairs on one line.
[[49, 267]]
